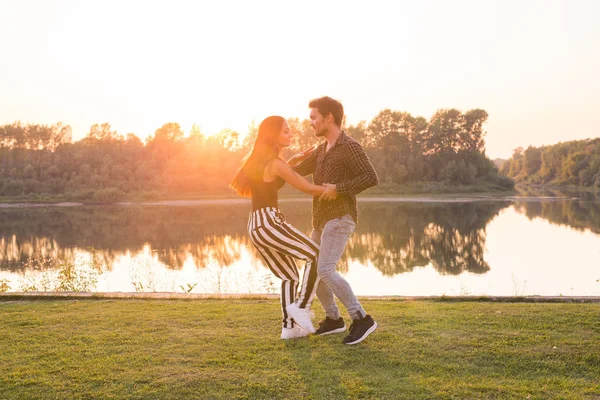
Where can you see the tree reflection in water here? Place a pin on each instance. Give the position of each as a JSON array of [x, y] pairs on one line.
[[572, 208], [396, 238], [393, 237], [580, 215], [171, 232]]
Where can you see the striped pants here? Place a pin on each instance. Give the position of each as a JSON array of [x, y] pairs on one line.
[[280, 244]]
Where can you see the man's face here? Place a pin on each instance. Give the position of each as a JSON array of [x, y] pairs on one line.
[[318, 122]]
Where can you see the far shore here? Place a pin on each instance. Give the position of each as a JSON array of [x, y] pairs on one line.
[[21, 296], [442, 198]]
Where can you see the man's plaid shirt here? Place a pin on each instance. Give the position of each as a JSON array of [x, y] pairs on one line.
[[346, 164]]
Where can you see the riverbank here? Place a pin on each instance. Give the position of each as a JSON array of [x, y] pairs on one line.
[[223, 349], [32, 296], [108, 196], [442, 198], [422, 193]]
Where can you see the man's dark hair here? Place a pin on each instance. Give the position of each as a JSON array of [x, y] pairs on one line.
[[327, 105]]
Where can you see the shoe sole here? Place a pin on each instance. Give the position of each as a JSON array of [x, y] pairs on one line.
[[294, 337], [338, 330], [367, 333], [298, 335], [306, 328], [309, 329]]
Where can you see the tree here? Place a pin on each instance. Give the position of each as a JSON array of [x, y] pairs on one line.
[[571, 163], [385, 124], [170, 132], [250, 138], [103, 132], [29, 172], [532, 160], [12, 136], [358, 132], [397, 138], [472, 134], [303, 136], [196, 136], [443, 135], [227, 139]]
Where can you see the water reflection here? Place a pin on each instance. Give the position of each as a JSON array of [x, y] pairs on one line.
[[394, 237], [580, 215], [69, 274], [172, 232], [206, 248], [398, 238], [580, 210]]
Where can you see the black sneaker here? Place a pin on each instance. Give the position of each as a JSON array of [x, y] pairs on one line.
[[360, 329], [330, 325]]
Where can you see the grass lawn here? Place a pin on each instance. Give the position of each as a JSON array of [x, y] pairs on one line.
[[230, 349]]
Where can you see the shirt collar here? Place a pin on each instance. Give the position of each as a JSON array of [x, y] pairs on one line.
[[343, 138]]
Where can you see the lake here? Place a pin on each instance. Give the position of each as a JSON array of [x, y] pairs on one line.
[[547, 246]]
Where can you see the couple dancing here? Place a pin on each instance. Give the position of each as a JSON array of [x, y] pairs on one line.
[[340, 169]]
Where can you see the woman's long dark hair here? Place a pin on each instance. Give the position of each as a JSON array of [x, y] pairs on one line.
[[263, 151]]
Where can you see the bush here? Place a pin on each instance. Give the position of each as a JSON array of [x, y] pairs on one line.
[[505, 182], [13, 188], [4, 286], [32, 186], [108, 196], [83, 195]]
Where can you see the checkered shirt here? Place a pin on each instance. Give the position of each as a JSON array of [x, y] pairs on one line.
[[347, 165]]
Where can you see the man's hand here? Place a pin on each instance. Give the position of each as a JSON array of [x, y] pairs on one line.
[[299, 157], [330, 192]]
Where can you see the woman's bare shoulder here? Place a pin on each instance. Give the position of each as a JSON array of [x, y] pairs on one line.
[[276, 164]]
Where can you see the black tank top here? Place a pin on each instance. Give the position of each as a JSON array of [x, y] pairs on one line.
[[264, 194]]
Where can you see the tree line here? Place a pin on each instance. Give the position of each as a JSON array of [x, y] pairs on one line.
[[573, 163], [105, 166]]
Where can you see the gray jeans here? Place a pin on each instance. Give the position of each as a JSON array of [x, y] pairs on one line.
[[333, 238]]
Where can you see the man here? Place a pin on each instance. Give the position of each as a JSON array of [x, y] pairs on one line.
[[342, 165]]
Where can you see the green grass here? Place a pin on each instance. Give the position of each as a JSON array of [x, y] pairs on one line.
[[230, 349]]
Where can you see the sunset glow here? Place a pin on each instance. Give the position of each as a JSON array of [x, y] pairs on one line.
[[137, 65]]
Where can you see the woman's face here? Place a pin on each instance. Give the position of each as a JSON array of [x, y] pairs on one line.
[[284, 139]]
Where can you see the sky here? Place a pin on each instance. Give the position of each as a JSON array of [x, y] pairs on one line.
[[531, 64]]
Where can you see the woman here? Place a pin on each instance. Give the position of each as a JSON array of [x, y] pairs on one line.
[[260, 177]]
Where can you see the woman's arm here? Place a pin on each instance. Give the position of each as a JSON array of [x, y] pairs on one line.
[[299, 157], [279, 168], [307, 165]]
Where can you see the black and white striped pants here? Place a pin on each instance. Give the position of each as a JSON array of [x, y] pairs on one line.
[[279, 245]]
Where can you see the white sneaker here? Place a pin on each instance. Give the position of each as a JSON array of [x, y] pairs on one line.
[[302, 317], [293, 333]]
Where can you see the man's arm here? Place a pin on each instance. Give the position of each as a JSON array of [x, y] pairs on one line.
[[361, 168]]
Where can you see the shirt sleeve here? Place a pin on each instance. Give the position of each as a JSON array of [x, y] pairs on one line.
[[307, 166], [362, 171]]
